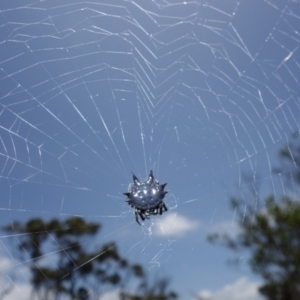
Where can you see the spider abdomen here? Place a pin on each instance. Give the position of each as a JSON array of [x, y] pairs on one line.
[[146, 196]]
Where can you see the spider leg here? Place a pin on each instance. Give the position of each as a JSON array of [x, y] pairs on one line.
[[137, 217], [165, 207], [162, 208], [149, 213], [140, 213]]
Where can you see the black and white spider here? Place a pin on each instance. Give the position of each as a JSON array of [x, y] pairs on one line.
[[146, 197]]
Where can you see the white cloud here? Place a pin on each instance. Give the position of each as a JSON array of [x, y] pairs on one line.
[[5, 263], [111, 295], [8, 283], [17, 292], [242, 288], [174, 225]]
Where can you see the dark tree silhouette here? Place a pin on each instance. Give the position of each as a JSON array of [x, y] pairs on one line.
[[60, 264], [62, 267], [272, 235], [157, 291]]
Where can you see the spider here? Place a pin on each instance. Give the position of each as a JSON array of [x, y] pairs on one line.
[[146, 197]]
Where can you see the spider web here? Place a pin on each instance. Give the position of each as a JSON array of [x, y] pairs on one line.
[[199, 91]]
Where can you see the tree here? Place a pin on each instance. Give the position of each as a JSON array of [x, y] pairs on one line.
[[273, 237], [156, 291], [74, 272], [62, 267]]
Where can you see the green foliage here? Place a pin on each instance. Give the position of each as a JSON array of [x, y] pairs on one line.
[[273, 237], [61, 265], [157, 291]]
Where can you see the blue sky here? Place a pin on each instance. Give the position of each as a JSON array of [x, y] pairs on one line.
[[202, 92]]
